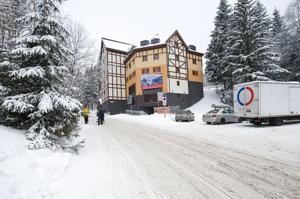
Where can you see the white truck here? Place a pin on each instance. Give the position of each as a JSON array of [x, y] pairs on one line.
[[267, 102]]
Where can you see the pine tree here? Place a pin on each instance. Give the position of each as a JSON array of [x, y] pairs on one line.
[[279, 36], [216, 50], [278, 24], [34, 73], [10, 10], [249, 46], [291, 47]]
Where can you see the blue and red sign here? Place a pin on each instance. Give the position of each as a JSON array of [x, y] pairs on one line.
[[245, 89], [151, 81]]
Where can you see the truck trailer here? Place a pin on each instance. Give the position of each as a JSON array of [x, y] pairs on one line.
[[267, 102]]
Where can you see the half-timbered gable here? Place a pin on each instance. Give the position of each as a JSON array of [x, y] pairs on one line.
[[177, 64]]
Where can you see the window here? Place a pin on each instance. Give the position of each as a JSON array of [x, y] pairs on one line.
[[156, 56], [156, 69], [194, 61], [178, 83], [145, 70], [145, 58], [177, 57], [195, 73], [176, 44], [150, 98], [177, 70]]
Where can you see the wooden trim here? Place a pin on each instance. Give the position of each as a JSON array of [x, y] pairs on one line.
[[178, 34], [195, 53], [146, 48]]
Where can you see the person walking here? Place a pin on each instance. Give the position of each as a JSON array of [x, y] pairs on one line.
[[85, 112], [100, 115]]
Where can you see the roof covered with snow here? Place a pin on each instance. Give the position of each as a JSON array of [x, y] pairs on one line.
[[117, 45]]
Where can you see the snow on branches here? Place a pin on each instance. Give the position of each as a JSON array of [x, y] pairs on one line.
[[33, 74]]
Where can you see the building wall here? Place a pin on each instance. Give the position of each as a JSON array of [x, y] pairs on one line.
[[135, 66], [112, 75], [103, 75], [180, 67], [186, 100], [178, 86], [195, 67], [116, 76], [113, 107]]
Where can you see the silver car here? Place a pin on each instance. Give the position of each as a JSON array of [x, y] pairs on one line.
[[184, 115], [221, 114]]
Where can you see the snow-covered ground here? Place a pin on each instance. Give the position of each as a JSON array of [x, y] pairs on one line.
[[139, 157], [280, 143]]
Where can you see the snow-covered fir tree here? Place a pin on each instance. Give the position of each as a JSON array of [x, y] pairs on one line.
[[249, 46], [279, 36], [34, 72], [291, 48], [10, 10], [278, 24], [215, 54]]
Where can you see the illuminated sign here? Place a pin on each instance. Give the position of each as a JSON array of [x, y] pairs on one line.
[[151, 81]]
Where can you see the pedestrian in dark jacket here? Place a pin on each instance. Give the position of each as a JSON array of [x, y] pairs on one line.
[[100, 115]]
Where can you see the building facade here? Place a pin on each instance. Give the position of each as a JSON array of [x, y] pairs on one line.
[[170, 68], [112, 86], [175, 66]]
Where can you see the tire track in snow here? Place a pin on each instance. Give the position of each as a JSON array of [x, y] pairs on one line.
[[250, 172], [185, 175], [230, 162], [149, 186]]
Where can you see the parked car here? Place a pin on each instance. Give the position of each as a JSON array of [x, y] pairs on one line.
[[184, 115], [221, 114]]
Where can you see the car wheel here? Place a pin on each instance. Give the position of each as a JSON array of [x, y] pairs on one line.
[[208, 122], [222, 121]]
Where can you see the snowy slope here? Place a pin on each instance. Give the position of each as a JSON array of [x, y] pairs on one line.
[[204, 105]]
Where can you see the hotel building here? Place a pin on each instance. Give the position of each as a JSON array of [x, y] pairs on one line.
[[170, 68]]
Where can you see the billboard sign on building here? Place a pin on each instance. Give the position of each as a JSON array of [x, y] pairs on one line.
[[151, 81]]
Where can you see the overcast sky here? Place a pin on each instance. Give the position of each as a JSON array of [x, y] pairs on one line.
[[134, 20]]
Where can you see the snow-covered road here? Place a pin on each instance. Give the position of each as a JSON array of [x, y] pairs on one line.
[[173, 166], [128, 159]]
